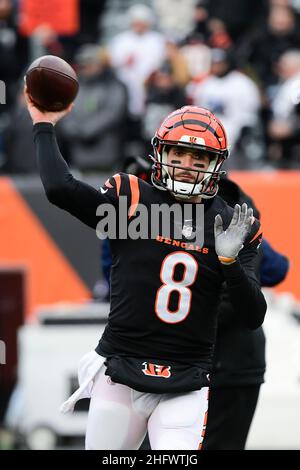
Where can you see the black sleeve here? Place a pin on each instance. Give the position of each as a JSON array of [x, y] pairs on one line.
[[61, 188], [227, 316], [243, 285]]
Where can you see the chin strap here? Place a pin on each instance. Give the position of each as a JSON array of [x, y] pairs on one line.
[[225, 260]]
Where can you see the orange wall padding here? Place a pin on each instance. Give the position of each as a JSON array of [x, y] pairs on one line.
[[25, 242], [50, 277], [61, 16], [277, 196]]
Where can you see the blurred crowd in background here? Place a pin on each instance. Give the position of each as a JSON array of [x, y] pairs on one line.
[[137, 61]]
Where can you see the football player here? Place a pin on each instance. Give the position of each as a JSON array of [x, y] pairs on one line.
[[151, 366], [239, 354]]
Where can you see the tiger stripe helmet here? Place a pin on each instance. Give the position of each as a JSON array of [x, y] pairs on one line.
[[195, 128]]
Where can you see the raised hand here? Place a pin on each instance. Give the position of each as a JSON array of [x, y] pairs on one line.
[[229, 242], [44, 116]]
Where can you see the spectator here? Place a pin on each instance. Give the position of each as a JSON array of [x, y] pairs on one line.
[[45, 41], [90, 13], [177, 62], [163, 96], [94, 128], [13, 51], [135, 54], [206, 33], [284, 128], [219, 36], [208, 30], [233, 97], [198, 58], [238, 16], [175, 17], [13, 58], [263, 49], [18, 141]]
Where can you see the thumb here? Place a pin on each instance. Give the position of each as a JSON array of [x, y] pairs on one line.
[[218, 225]]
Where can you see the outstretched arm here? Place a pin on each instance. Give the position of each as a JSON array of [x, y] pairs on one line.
[[61, 188], [238, 264]]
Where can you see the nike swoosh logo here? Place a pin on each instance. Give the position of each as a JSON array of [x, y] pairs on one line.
[[103, 191]]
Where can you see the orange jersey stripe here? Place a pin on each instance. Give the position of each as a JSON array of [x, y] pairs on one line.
[[117, 179], [205, 419], [258, 233], [107, 184], [203, 430], [135, 194]]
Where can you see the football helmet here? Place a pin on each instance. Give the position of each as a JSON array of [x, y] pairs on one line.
[[195, 128]]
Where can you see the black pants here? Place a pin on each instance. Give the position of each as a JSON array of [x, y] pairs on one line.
[[230, 413]]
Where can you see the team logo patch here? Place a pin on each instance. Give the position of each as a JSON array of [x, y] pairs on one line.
[[187, 230], [156, 370], [192, 139]]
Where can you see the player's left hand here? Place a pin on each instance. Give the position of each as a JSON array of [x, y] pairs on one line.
[[228, 243]]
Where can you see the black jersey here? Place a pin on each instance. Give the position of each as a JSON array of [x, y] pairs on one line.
[[164, 291]]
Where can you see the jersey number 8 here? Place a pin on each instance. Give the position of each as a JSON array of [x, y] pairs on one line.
[[182, 287]]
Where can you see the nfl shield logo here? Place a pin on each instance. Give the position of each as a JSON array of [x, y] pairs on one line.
[[187, 231]]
